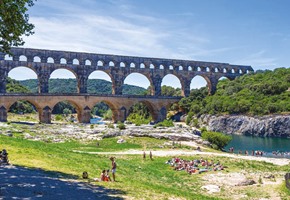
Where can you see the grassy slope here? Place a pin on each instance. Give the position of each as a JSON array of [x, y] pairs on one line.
[[136, 178]]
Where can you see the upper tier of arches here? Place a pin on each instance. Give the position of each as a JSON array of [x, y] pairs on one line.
[[44, 62]]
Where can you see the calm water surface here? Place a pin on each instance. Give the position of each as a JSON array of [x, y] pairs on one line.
[[267, 145]]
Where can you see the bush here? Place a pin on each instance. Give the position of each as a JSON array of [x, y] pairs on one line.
[[165, 123], [111, 126], [216, 138], [188, 118], [121, 126], [138, 119], [58, 117]]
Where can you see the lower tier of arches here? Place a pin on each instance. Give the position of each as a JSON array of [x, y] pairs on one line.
[[119, 105]]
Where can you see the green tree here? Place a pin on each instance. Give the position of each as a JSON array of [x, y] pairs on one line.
[[67, 111], [14, 23], [218, 139]]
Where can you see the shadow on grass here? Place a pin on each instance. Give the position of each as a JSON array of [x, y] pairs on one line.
[[27, 183]]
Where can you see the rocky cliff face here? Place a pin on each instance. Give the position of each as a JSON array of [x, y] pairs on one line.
[[266, 126]]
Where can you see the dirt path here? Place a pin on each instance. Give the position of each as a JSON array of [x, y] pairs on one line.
[[276, 161]]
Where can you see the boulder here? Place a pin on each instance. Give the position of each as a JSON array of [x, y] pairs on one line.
[[246, 182], [211, 188]]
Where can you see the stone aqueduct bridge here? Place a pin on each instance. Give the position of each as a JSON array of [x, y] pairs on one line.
[[44, 62]]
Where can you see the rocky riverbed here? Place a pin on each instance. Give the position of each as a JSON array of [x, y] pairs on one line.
[[85, 132]]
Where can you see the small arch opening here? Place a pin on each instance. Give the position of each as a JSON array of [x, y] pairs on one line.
[[122, 64], [142, 65], [189, 68], [88, 62], [36, 59], [180, 68], [63, 61], [171, 67], [76, 62], [132, 65], [8, 57], [23, 58], [161, 67], [152, 66], [50, 60], [111, 64], [100, 63]]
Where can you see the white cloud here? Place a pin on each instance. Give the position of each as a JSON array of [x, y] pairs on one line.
[[259, 60]]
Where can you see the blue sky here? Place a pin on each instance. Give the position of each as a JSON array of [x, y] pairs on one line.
[[248, 32]]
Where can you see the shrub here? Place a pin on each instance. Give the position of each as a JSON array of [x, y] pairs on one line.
[[164, 123], [58, 117], [111, 126], [216, 138], [188, 118], [121, 126]]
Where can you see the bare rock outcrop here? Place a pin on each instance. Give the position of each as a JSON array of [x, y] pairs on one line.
[[266, 126]]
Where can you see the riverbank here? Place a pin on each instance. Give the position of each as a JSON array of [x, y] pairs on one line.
[[137, 178]]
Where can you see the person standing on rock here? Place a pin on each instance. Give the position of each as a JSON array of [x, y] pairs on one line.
[[144, 155], [114, 167]]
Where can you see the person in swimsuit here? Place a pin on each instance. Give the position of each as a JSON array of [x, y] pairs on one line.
[[114, 167]]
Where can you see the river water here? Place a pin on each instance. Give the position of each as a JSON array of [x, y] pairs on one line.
[[267, 145]]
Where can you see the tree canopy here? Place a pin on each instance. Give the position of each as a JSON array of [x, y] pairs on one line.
[[261, 93], [14, 23]]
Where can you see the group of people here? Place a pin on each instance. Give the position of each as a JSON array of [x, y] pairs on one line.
[[105, 175], [261, 153], [194, 166], [150, 155], [4, 157], [246, 152]]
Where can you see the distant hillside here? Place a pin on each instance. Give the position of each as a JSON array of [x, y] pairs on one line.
[[260, 93], [95, 86]]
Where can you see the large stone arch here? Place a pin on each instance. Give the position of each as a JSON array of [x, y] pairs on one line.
[[12, 67], [143, 75], [63, 68], [208, 81], [177, 77], [31, 101], [79, 109], [115, 111], [154, 111]]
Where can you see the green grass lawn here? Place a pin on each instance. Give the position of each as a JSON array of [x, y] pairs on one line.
[[136, 178]]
